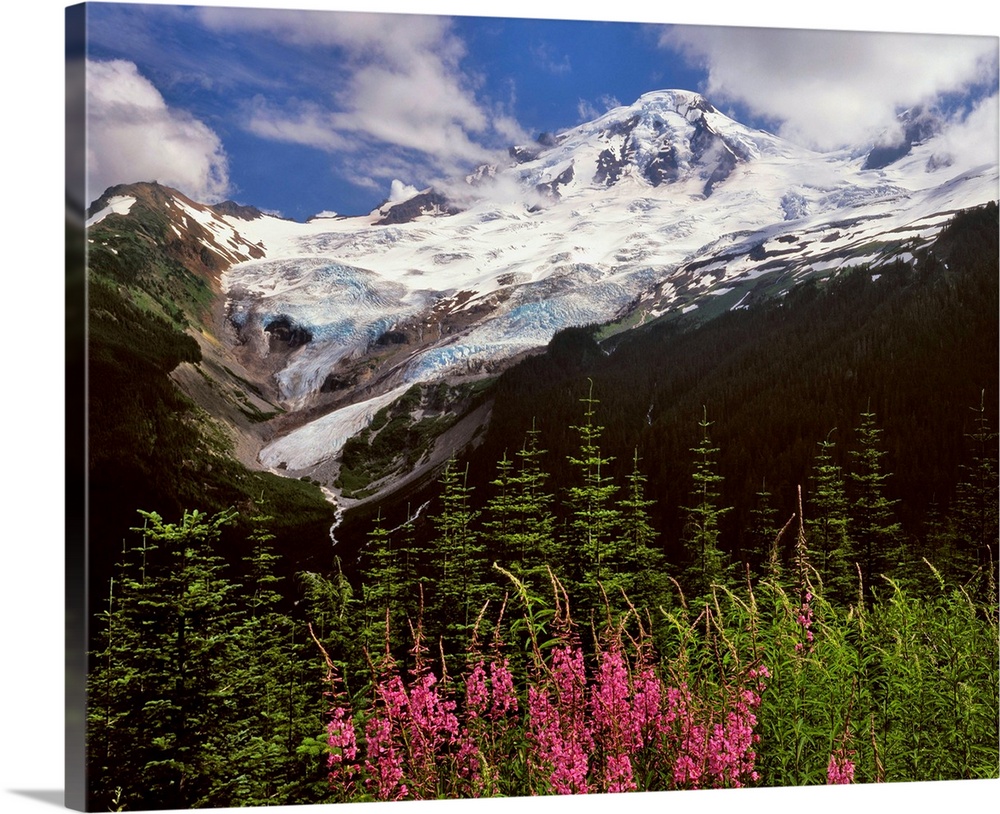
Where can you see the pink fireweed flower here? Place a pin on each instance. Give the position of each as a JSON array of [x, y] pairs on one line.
[[384, 756], [805, 621], [383, 761], [429, 729], [648, 705], [469, 761], [840, 769], [489, 714], [502, 685], [560, 747], [716, 748], [343, 744], [610, 708], [615, 727], [476, 692], [626, 713], [618, 774], [558, 734], [691, 737]]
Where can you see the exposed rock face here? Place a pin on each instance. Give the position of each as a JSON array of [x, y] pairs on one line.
[[193, 234], [429, 202], [393, 338], [919, 125], [523, 154], [236, 210], [717, 155], [284, 330], [664, 138], [663, 168], [551, 189]]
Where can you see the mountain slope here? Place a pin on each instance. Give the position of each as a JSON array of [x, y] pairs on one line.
[[656, 209]]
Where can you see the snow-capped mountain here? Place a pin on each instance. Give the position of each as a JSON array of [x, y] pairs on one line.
[[658, 207]]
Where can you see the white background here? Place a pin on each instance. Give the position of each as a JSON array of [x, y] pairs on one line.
[[31, 316]]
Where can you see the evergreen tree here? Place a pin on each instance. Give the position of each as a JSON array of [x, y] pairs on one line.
[[592, 546], [643, 572], [833, 553], [501, 523], [976, 500], [872, 525], [541, 548], [410, 559], [706, 561], [382, 588], [116, 688], [460, 588], [519, 520], [278, 699], [329, 607], [165, 708], [764, 532]]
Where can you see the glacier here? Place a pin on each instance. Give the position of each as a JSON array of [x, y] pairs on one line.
[[650, 206]]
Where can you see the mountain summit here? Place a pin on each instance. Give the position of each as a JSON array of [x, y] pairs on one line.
[[665, 137]]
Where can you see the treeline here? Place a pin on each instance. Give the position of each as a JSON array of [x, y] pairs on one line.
[[596, 532]]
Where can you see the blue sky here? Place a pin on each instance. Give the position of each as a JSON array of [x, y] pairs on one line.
[[300, 112]]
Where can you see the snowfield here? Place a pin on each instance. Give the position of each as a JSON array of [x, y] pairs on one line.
[[579, 232]]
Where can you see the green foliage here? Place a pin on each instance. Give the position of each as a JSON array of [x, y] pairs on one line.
[[914, 344], [138, 254], [764, 534], [459, 586], [829, 541], [908, 684], [383, 590], [643, 571], [976, 503], [400, 435], [149, 445], [594, 552], [872, 523], [706, 561], [195, 674], [519, 520], [201, 692]]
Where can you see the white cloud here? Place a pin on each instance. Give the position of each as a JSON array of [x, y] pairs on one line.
[[975, 139], [398, 191], [297, 123], [829, 89], [133, 135], [395, 79]]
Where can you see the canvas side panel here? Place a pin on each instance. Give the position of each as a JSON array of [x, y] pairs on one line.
[[75, 426]]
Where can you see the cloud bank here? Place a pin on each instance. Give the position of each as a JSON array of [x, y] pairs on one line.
[[133, 135], [829, 89], [394, 80]]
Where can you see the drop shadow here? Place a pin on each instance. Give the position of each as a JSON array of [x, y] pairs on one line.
[[53, 797]]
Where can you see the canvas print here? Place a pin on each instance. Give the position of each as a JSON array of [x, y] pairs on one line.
[[480, 406]]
